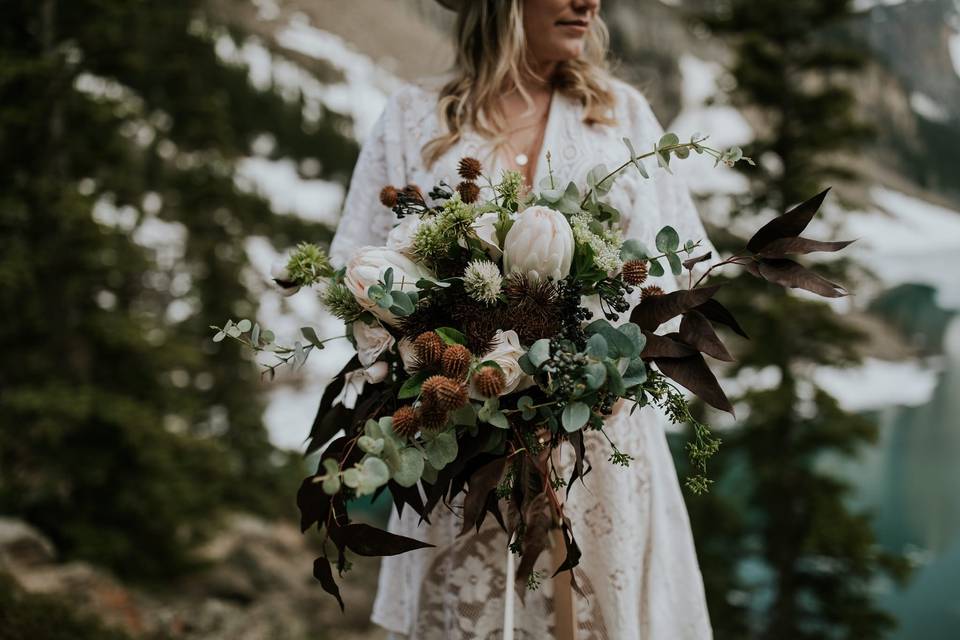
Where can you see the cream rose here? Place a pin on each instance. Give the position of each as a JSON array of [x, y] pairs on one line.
[[372, 341], [506, 353], [367, 267]]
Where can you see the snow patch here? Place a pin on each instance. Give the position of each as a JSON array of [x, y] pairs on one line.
[[364, 94], [879, 383], [908, 240], [725, 125], [280, 183]]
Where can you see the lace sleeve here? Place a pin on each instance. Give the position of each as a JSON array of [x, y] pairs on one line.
[[364, 221]]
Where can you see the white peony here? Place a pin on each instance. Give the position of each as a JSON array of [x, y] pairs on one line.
[[367, 267], [539, 244], [372, 341], [400, 237], [506, 353]]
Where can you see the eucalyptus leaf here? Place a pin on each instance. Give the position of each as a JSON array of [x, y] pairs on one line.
[[244, 325], [574, 416], [539, 352], [633, 250], [410, 468], [441, 450], [498, 419], [676, 267], [373, 446], [655, 269], [595, 375], [411, 387], [668, 239], [597, 346], [451, 335]]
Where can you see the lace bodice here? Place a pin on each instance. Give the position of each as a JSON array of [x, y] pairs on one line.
[[639, 570]]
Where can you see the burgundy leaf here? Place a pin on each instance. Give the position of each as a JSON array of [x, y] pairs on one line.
[[482, 482], [313, 503], [580, 452], [689, 263], [789, 225], [665, 347], [573, 550], [407, 496], [717, 313], [693, 373], [327, 422], [536, 535], [365, 540], [697, 332], [788, 273], [788, 246], [655, 310], [323, 573]]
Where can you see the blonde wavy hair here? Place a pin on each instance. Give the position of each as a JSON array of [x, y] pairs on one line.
[[492, 57]]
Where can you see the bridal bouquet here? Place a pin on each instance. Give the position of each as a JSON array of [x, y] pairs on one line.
[[496, 327]]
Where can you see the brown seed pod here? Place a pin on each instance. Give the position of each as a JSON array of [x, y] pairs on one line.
[[413, 192], [469, 191], [388, 196], [429, 347], [456, 361], [489, 381], [650, 291], [405, 422], [635, 272], [442, 393], [469, 168], [432, 419]]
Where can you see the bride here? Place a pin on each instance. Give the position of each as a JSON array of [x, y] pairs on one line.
[[530, 79]]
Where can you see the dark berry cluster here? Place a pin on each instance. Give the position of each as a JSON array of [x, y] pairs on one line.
[[572, 314], [564, 368], [613, 297], [605, 403]]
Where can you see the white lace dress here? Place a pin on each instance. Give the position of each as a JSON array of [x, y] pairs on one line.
[[639, 570]]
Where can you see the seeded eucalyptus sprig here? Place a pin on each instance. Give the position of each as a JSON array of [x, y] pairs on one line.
[[260, 340]]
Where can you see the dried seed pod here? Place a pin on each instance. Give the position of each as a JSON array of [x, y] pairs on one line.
[[469, 191], [388, 196], [413, 192], [456, 361], [429, 347], [443, 394], [405, 422], [489, 381], [635, 272], [432, 419], [650, 291], [469, 168]]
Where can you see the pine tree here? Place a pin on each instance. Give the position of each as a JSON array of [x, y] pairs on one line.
[[123, 430], [789, 547]]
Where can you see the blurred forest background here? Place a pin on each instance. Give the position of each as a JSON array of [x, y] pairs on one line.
[[157, 157]]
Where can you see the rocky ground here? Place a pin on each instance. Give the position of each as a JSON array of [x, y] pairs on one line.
[[257, 586]]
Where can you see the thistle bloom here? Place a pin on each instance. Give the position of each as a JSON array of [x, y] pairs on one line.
[[482, 281], [539, 245], [367, 267]]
